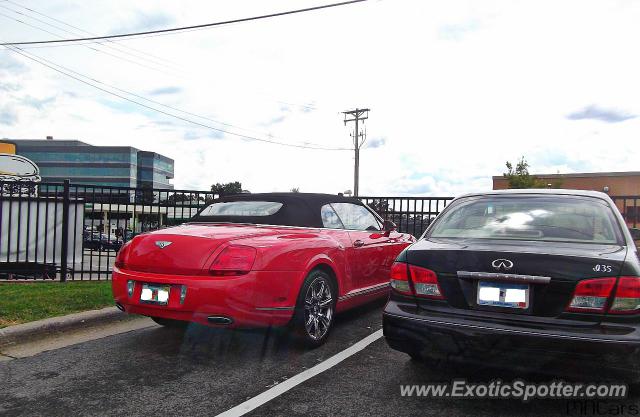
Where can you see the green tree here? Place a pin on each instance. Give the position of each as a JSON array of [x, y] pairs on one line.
[[227, 188], [519, 176], [177, 197], [295, 190]]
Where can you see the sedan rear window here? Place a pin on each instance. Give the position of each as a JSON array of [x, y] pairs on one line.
[[242, 208], [555, 218]]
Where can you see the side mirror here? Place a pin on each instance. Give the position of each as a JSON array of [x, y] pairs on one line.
[[390, 226], [635, 233]]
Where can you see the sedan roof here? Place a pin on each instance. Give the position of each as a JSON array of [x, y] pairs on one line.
[[544, 191]]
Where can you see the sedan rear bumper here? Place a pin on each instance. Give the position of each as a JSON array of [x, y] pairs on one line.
[[257, 299], [413, 331]]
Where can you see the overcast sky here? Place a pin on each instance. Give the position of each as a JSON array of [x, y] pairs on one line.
[[455, 88]]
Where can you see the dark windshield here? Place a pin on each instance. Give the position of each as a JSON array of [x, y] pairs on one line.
[[548, 218]]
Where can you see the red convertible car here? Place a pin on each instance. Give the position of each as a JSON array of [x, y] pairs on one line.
[[256, 260]]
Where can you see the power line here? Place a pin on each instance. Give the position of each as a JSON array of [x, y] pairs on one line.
[[305, 106], [104, 44], [89, 47], [78, 29], [137, 95], [183, 28], [253, 138], [36, 19], [119, 49]]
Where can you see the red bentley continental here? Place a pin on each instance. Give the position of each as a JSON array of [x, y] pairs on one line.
[[256, 260]]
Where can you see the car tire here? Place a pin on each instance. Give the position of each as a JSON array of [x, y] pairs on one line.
[[315, 309], [175, 324]]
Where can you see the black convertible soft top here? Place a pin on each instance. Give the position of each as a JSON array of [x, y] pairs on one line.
[[298, 209]]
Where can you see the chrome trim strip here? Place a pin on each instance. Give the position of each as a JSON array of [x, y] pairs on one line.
[[523, 332], [220, 320], [534, 279], [364, 291], [275, 308]]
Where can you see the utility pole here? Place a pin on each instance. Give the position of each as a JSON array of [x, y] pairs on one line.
[[358, 139]]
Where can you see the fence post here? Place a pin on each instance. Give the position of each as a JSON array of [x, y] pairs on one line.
[[65, 232]]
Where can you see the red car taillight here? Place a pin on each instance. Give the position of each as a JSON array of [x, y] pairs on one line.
[[233, 260], [121, 257], [400, 278], [627, 299], [424, 281], [590, 295]]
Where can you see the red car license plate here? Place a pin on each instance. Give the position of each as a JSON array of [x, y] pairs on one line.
[[155, 294]]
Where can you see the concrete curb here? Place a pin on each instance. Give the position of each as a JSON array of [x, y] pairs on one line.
[[40, 329]]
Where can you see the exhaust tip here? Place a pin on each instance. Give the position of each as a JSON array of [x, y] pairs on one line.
[[120, 306], [219, 320]]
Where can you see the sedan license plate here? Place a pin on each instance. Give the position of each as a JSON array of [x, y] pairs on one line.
[[155, 294], [503, 294]]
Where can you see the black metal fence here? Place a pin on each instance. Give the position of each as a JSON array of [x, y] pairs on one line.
[[68, 231], [73, 232], [629, 206], [410, 214]]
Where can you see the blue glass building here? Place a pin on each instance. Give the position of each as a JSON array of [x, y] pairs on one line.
[[82, 163]]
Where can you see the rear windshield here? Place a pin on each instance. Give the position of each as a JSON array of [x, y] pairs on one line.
[[242, 208], [560, 218]]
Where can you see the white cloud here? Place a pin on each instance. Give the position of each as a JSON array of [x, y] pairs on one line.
[[594, 112], [455, 89]]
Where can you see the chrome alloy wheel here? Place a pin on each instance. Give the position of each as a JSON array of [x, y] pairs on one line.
[[318, 308]]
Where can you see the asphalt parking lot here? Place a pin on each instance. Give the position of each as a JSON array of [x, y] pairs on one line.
[[202, 371]]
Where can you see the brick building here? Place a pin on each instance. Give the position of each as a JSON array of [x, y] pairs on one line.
[[612, 183], [623, 186]]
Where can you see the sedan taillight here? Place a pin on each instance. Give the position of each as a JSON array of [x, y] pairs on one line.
[[627, 299], [400, 278], [591, 296], [414, 280], [425, 282], [233, 260]]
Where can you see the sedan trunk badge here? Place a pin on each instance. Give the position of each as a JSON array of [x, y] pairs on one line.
[[503, 264], [162, 243]]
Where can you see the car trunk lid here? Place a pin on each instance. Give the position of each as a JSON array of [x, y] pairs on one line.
[[550, 272], [185, 250]]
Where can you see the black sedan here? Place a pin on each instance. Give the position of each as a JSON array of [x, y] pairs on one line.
[[521, 278], [100, 242]]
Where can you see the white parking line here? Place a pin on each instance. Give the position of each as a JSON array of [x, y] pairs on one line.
[[255, 402]]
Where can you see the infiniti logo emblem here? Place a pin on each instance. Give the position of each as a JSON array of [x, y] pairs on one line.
[[162, 243], [504, 264]]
